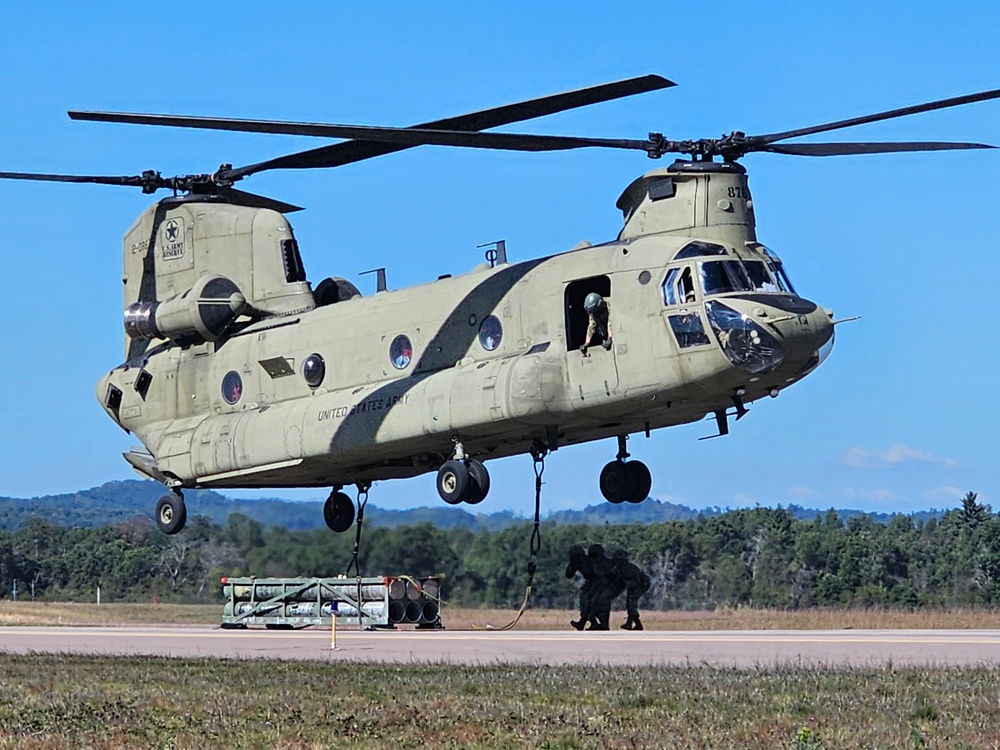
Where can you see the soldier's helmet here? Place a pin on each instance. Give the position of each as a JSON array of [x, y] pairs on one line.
[[593, 302], [577, 551], [620, 554], [595, 550]]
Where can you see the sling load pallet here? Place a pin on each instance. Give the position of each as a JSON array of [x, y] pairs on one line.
[[296, 602]]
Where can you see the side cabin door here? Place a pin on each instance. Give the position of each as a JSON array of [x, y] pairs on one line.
[[593, 378]]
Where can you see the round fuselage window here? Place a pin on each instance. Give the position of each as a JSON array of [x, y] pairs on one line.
[[400, 352], [490, 333], [313, 370], [232, 387]]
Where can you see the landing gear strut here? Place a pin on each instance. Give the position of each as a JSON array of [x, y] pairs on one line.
[[625, 481], [338, 511], [463, 479], [171, 513]]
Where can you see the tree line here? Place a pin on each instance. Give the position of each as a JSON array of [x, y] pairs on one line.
[[753, 557]]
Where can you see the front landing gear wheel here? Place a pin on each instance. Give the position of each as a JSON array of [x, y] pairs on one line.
[[338, 512], [171, 513], [453, 482], [617, 482], [642, 481], [479, 486]]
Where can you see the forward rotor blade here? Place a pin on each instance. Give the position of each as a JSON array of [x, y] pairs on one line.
[[340, 154], [848, 149], [877, 117], [399, 136]]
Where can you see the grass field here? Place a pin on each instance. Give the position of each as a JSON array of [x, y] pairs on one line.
[[49, 701], [52, 613], [58, 701]]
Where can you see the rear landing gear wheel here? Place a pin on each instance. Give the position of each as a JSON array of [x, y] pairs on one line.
[[338, 512], [642, 481], [617, 482], [479, 486], [453, 482], [171, 513]]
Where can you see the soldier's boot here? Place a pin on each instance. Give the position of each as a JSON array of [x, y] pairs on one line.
[[637, 625], [627, 624], [578, 624]]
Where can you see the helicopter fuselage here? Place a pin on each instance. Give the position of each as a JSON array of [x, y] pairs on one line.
[[702, 320]]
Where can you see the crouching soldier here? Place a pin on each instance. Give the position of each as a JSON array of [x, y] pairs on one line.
[[636, 584]]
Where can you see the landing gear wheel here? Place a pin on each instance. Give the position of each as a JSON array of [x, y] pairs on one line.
[[453, 482], [479, 486], [171, 513], [617, 482], [338, 512], [641, 479]]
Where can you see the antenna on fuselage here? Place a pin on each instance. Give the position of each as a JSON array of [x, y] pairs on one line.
[[497, 253], [380, 285]]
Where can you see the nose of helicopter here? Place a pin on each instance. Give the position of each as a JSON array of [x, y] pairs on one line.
[[808, 340], [779, 336]]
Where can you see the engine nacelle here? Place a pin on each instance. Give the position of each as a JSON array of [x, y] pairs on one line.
[[203, 312]]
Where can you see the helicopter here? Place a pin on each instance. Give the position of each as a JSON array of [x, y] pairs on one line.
[[240, 372]]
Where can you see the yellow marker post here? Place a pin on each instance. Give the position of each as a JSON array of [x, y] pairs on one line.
[[333, 625]]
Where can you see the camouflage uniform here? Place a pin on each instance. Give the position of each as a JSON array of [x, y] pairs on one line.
[[599, 324], [635, 582], [580, 563], [606, 588]]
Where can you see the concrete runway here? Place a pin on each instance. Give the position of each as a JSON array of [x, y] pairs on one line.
[[745, 648]]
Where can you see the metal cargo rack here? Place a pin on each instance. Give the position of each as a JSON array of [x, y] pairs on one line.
[[367, 602]]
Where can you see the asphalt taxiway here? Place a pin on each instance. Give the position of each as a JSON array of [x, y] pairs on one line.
[[743, 648]]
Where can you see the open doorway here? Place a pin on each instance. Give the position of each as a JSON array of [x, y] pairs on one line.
[[576, 316]]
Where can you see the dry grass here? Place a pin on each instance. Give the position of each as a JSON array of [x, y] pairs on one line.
[[744, 619], [52, 613], [49, 701], [57, 613]]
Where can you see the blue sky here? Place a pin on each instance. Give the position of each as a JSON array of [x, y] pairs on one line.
[[900, 417]]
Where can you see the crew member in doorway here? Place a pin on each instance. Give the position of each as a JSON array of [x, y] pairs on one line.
[[598, 312]]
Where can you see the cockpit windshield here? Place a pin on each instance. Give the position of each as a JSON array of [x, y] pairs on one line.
[[782, 276], [722, 276], [777, 270], [762, 277]]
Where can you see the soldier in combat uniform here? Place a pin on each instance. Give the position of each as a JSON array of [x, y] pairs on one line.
[[580, 563], [635, 582], [598, 312], [604, 590]]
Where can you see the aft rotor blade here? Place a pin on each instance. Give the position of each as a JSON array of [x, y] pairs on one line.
[[339, 154], [848, 149], [134, 180], [243, 198], [877, 117], [399, 136]]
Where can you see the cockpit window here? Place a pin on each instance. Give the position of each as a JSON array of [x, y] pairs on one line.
[[783, 279], [699, 250], [777, 270], [678, 287], [761, 277], [722, 276]]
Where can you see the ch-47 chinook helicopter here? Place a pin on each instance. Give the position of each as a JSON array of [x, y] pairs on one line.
[[239, 373]]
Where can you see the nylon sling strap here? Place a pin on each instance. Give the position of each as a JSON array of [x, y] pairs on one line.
[[535, 544], [362, 502]]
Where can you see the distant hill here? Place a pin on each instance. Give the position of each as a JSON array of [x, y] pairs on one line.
[[114, 502]]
